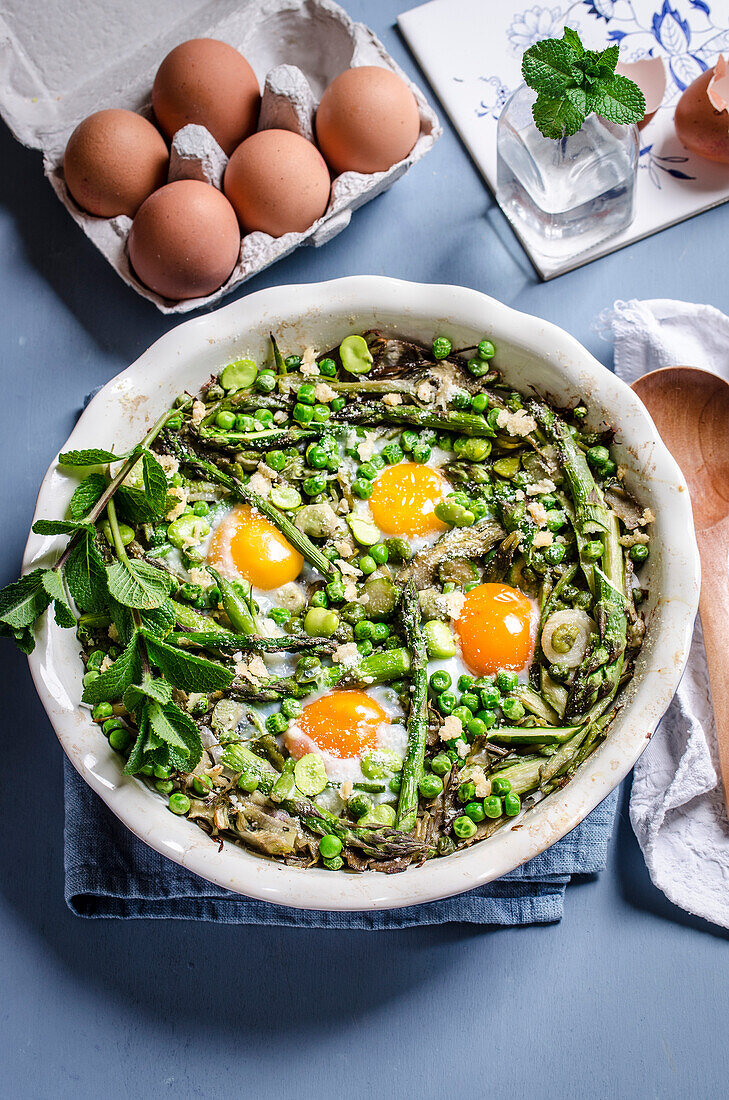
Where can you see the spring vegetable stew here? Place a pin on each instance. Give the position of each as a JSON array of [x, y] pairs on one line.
[[353, 610]]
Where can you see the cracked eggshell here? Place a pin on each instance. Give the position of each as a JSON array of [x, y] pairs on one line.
[[700, 127], [210, 83]]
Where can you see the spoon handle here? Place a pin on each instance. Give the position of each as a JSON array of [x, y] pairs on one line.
[[714, 610]]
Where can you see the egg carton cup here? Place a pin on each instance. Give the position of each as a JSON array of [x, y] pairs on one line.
[[61, 60]]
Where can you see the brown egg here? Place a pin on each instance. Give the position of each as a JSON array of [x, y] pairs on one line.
[[278, 183], [699, 126], [184, 241], [207, 82], [367, 120], [113, 160]]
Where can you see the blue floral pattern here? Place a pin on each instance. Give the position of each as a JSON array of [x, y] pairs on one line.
[[688, 34]]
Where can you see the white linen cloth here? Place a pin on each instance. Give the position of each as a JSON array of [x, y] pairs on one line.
[[676, 806]]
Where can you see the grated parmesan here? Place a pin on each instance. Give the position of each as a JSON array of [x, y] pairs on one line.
[[516, 423], [392, 399]]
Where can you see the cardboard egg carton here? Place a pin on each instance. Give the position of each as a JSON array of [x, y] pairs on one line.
[[61, 60]]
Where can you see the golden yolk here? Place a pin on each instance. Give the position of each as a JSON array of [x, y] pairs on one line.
[[255, 548], [495, 629], [343, 723], [404, 498]]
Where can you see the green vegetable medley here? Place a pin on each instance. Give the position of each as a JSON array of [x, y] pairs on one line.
[[353, 610]]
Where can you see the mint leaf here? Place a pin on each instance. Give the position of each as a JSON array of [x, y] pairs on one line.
[[112, 684], [548, 67], [609, 58], [572, 39], [158, 690], [185, 670], [94, 456], [155, 480], [165, 723], [85, 575], [556, 117], [24, 601], [138, 584], [618, 100], [143, 497], [53, 584], [160, 620], [86, 495], [59, 527]]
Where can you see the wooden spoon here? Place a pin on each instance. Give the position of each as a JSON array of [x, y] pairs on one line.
[[690, 408]]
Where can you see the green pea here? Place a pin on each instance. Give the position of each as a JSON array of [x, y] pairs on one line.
[[477, 367], [146, 769], [248, 782], [362, 488], [276, 723], [280, 615], [330, 846], [513, 709], [292, 708], [467, 791], [464, 828], [120, 739], [356, 357], [379, 553], [442, 347], [202, 785], [471, 700], [555, 553], [446, 702], [492, 807], [225, 420], [102, 711], [334, 864], [480, 402], [486, 350], [598, 456], [110, 725], [395, 784], [490, 695], [174, 423], [392, 454], [190, 592], [460, 399], [506, 680], [421, 452], [335, 590], [359, 805], [475, 811], [408, 440], [179, 803], [303, 414], [367, 564], [200, 508], [321, 414], [638, 553], [319, 622], [95, 660], [466, 682], [430, 786], [245, 423], [380, 631], [440, 680], [266, 382], [398, 550], [440, 764], [609, 469], [500, 786], [592, 550], [363, 630], [316, 456], [366, 647], [476, 728], [463, 714], [276, 460], [164, 786], [314, 485], [338, 404], [327, 368], [292, 362], [556, 519], [266, 417], [163, 771], [512, 805], [368, 470]]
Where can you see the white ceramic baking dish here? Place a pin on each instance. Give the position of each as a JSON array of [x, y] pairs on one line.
[[531, 353]]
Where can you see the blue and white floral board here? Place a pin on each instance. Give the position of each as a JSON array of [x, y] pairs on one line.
[[471, 52]]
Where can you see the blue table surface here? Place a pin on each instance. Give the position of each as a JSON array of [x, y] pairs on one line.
[[621, 999]]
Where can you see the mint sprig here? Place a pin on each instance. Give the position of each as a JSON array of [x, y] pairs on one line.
[[572, 83]]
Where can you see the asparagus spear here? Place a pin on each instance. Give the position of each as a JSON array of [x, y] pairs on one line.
[[591, 512], [249, 643], [378, 668], [284, 436], [407, 807], [237, 489], [409, 416]]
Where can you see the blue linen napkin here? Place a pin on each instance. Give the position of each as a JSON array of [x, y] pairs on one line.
[[109, 873]]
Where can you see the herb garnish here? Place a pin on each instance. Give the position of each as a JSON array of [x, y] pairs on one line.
[[573, 82]]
